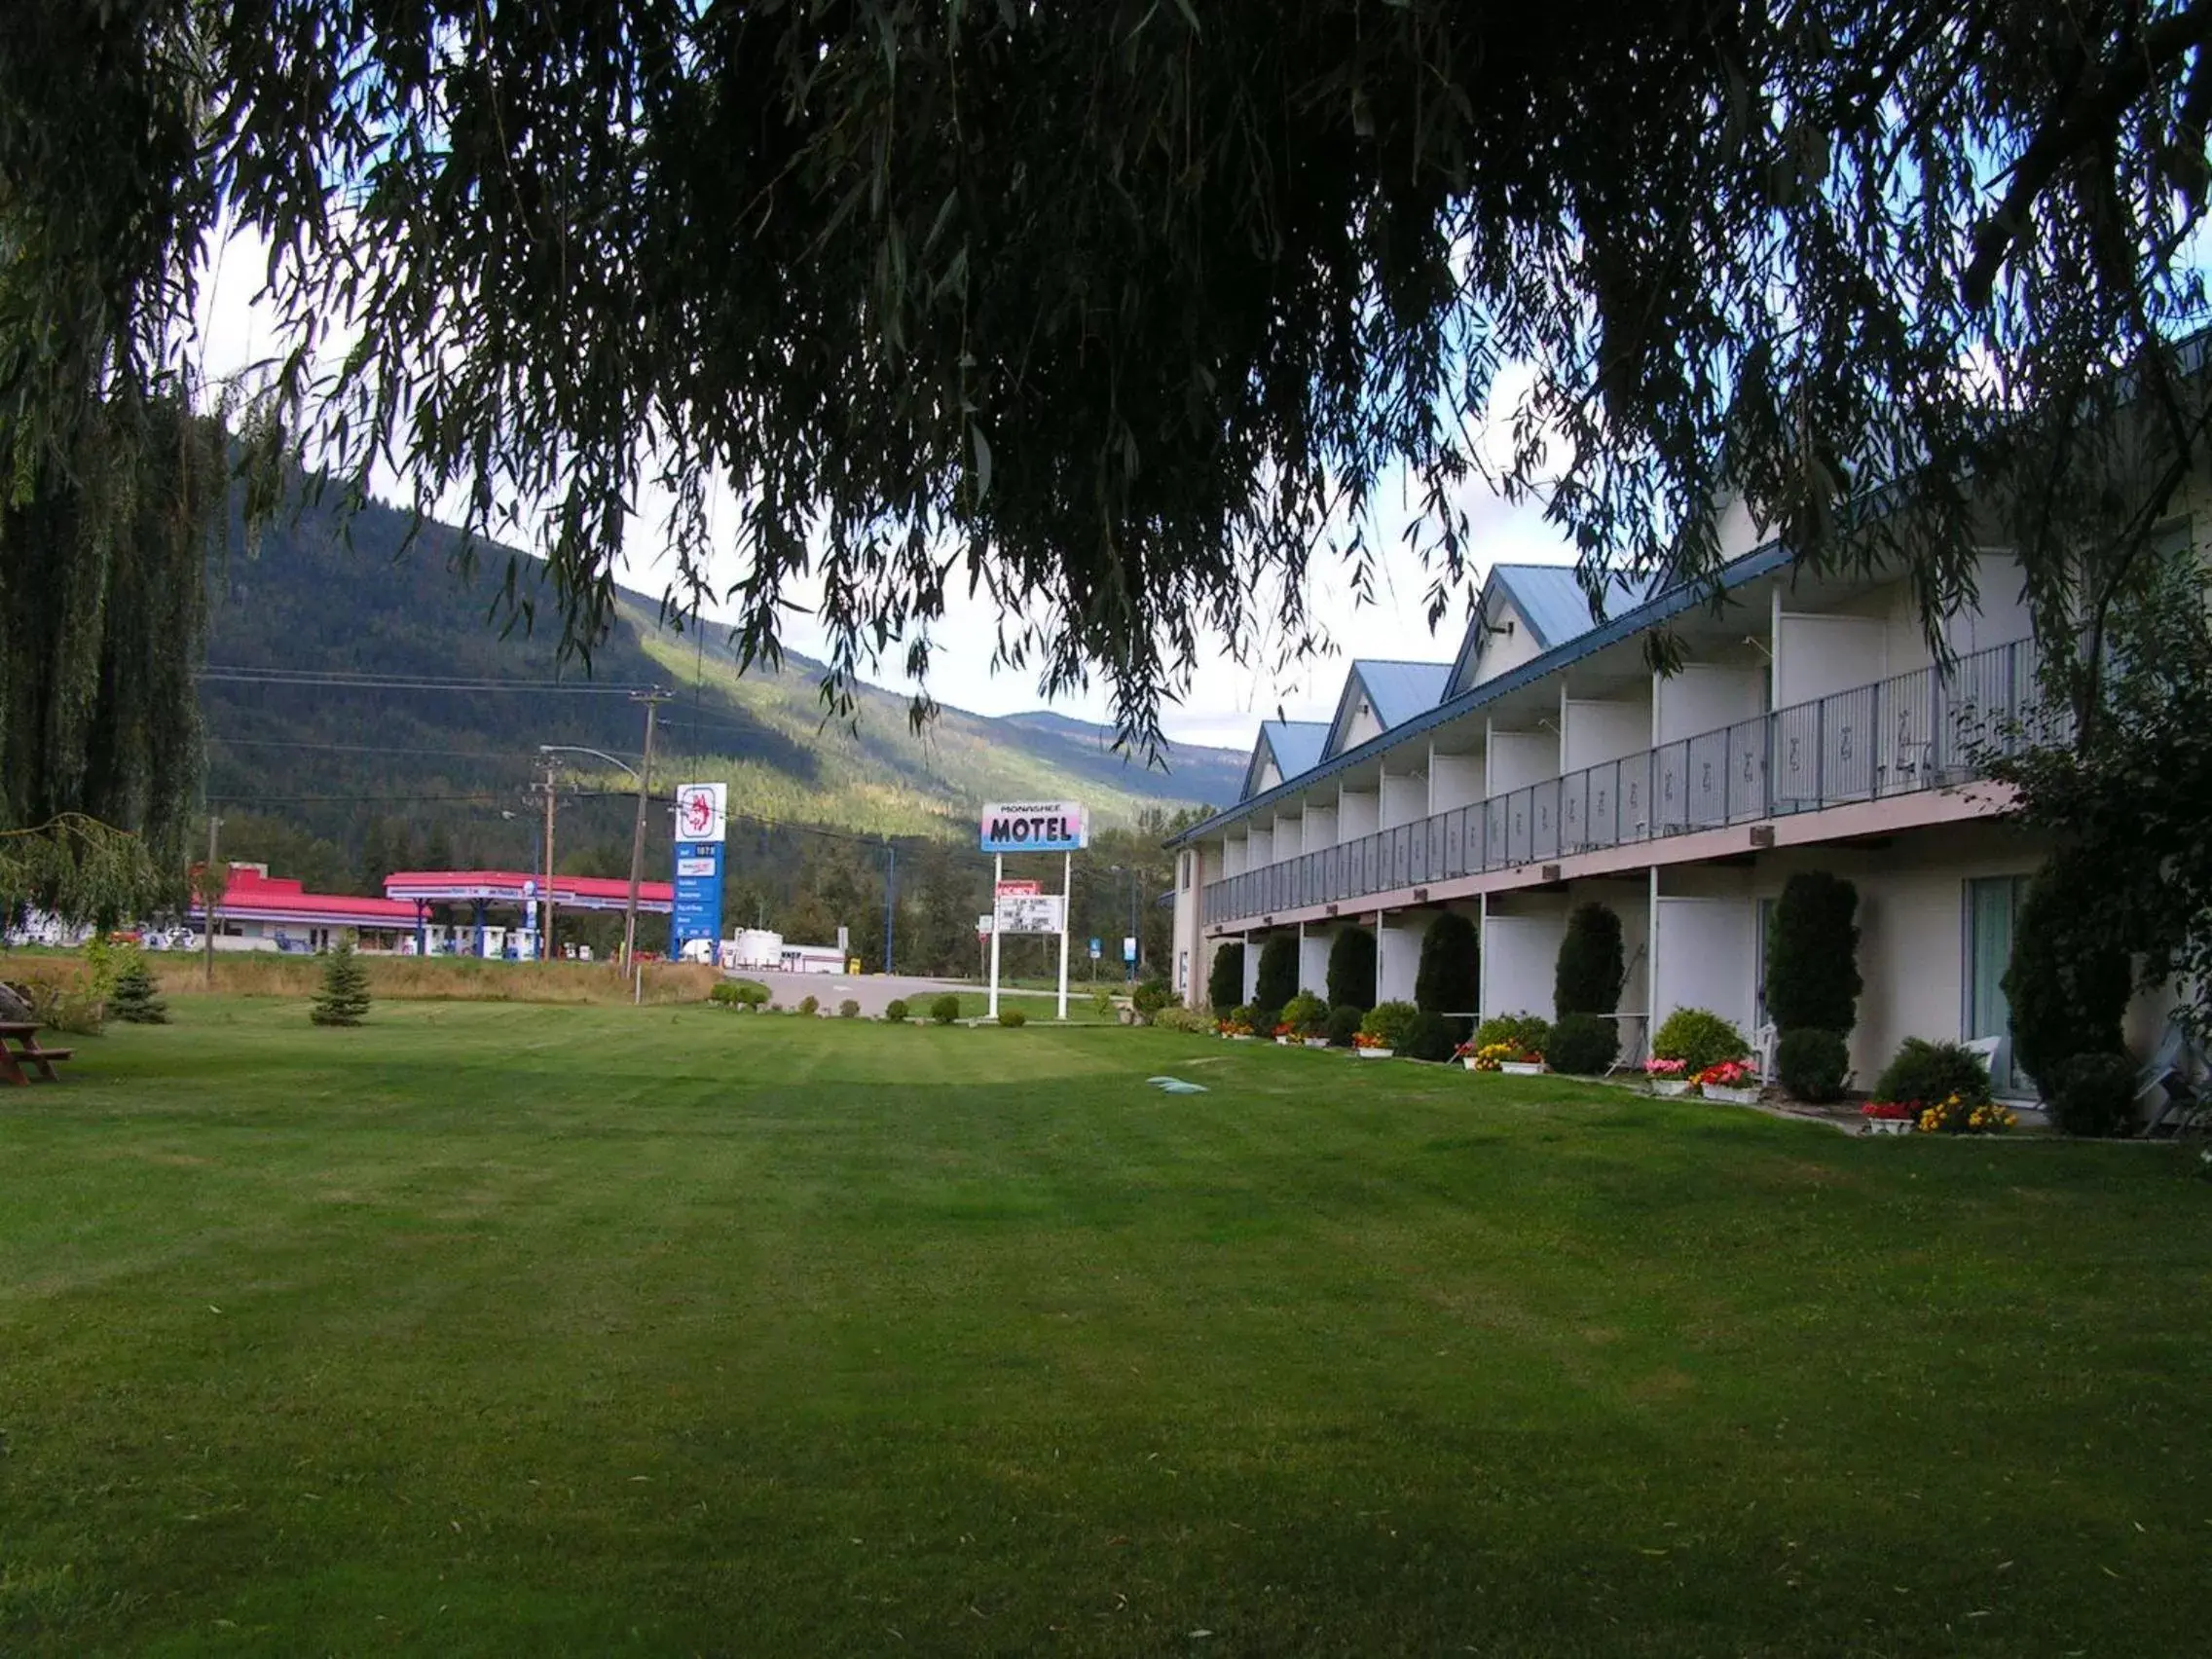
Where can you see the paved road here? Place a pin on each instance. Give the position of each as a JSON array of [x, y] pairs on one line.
[[870, 990]]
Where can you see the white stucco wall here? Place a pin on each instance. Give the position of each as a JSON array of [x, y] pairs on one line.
[[1405, 798], [1518, 758], [1289, 833], [1520, 955], [1593, 731], [1320, 828], [1235, 855], [1314, 944], [1501, 653], [1260, 846], [1397, 956], [1704, 697], [1357, 813], [1454, 780], [1815, 655]]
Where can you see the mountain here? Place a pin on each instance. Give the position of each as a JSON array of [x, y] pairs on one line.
[[326, 757]]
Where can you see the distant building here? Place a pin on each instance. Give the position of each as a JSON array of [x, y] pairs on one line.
[[259, 911]]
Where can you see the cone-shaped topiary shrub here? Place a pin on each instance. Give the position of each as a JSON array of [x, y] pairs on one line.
[[1587, 977], [1276, 981], [1351, 969], [1225, 979], [1451, 970], [2068, 992], [1812, 955], [1582, 1045]]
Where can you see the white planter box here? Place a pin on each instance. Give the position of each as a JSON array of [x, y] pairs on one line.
[[1375, 1053], [1732, 1096], [1888, 1127], [1316, 1042], [1468, 1061], [1521, 1068], [1284, 1041], [1670, 1086], [1244, 1037]]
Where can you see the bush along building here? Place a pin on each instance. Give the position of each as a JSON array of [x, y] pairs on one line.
[[1807, 728]]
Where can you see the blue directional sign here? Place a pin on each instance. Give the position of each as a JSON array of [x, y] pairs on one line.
[[698, 912]]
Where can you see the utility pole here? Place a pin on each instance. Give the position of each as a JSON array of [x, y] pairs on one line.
[[890, 895], [652, 701], [545, 893], [209, 890]]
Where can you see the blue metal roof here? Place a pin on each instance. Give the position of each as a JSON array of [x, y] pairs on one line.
[[1295, 746], [1553, 603], [1400, 691], [1668, 603]]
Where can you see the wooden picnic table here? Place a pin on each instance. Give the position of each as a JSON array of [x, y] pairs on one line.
[[18, 1047]]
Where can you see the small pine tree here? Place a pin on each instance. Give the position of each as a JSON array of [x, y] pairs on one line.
[[133, 999], [2066, 985], [1587, 977], [1812, 955], [344, 995], [1351, 969]]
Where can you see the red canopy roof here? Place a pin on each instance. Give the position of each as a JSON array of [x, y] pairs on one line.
[[254, 896], [508, 887]]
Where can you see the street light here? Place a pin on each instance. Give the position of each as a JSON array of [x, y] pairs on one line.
[[545, 898], [580, 749]]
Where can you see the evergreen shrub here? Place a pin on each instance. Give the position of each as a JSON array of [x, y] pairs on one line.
[[1012, 1017], [1429, 1036], [1698, 1038], [810, 1006], [2068, 992], [1391, 1021], [133, 999], [945, 1008], [2095, 1095], [1225, 979], [1812, 955], [848, 1009], [896, 1011], [1351, 969], [1587, 977], [1449, 980], [1342, 1027], [1930, 1073], [1813, 1065], [1276, 981], [344, 999], [1527, 1032], [1582, 1045], [1305, 1014]]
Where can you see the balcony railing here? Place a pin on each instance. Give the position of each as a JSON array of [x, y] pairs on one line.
[[1923, 730]]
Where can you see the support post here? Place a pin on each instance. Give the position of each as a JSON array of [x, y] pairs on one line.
[[1067, 919], [998, 875], [545, 895], [210, 894], [891, 898], [652, 701]]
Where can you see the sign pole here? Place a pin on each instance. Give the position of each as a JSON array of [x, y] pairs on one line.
[[1067, 920], [998, 874]]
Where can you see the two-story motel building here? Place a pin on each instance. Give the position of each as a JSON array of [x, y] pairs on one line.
[[1547, 764]]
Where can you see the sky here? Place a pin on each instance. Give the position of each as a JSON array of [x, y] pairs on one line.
[[1226, 698]]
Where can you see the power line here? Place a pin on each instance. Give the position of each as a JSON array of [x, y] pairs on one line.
[[239, 673], [366, 748]]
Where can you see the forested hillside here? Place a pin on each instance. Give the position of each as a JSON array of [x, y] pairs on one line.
[[339, 782]]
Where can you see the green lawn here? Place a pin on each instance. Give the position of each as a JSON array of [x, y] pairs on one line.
[[510, 1330]]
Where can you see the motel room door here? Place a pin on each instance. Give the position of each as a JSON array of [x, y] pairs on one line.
[[1993, 906]]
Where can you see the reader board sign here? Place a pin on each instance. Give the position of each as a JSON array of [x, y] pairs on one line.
[[698, 910], [701, 812], [1031, 912], [1035, 826]]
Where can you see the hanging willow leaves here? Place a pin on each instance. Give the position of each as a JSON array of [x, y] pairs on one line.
[[1117, 318]]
